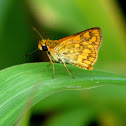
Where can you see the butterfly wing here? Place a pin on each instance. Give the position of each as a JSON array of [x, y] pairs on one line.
[[80, 49], [92, 35]]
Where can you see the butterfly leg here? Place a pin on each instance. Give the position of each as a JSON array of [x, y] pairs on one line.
[[52, 64], [68, 70]]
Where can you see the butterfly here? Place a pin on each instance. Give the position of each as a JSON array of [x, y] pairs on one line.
[[80, 49]]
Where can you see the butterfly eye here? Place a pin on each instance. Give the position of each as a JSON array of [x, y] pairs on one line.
[[45, 48]]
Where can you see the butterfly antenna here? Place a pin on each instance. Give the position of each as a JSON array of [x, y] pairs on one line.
[[38, 33], [31, 53]]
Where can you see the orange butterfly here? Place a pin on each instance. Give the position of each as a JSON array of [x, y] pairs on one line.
[[80, 49]]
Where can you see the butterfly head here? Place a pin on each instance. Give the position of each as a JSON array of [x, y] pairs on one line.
[[42, 45]]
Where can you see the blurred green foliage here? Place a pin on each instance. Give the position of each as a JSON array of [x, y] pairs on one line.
[[59, 18], [15, 33]]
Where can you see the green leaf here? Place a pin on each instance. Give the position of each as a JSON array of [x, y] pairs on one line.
[[24, 85]]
